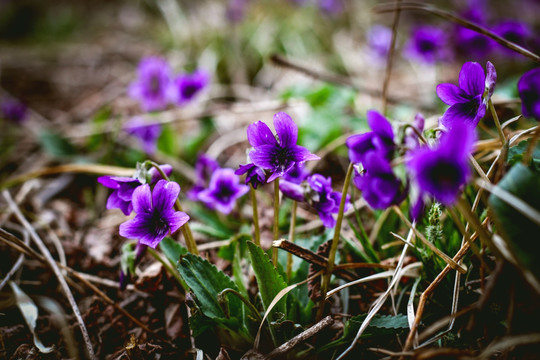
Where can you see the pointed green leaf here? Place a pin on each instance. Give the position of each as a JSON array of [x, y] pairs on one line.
[[206, 282], [172, 249], [268, 278]]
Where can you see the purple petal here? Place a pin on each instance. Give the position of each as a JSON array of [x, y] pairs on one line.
[[264, 156], [108, 181], [451, 94], [358, 145], [155, 175], [292, 190], [260, 134], [164, 195], [115, 202], [491, 79], [472, 78], [286, 129], [463, 112], [379, 124], [300, 154], [142, 200], [458, 142], [327, 219], [136, 228], [176, 220]]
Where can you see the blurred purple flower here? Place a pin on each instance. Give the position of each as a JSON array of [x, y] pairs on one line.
[[296, 174], [379, 185], [529, 92], [278, 157], [467, 101], [147, 134], [155, 216], [469, 42], [236, 10], [254, 174], [204, 168], [324, 200], [443, 170], [151, 86], [379, 39], [411, 139], [13, 110], [514, 31], [331, 7], [428, 44], [186, 86], [223, 191], [380, 139], [123, 188], [292, 190]]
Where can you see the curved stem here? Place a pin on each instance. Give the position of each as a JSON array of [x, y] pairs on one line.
[[186, 230], [243, 299], [169, 268], [335, 240], [276, 220], [497, 122], [257, 230]]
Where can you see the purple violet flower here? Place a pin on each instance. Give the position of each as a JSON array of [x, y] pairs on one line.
[[428, 44], [204, 168], [186, 86], [469, 42], [467, 101], [296, 174], [271, 154], [152, 84], [155, 215], [379, 39], [223, 191], [380, 139], [529, 92], [379, 185], [324, 200], [514, 31], [123, 188], [13, 110], [254, 174], [147, 134], [443, 170]]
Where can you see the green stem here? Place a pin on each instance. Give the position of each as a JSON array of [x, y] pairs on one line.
[[257, 230], [186, 230], [335, 240], [291, 239], [497, 122], [169, 268], [276, 220]]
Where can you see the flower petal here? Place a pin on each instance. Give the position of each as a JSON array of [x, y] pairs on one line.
[[491, 79], [379, 124], [292, 190], [164, 195], [265, 156], [461, 112], [136, 228], [286, 129], [142, 199], [472, 78], [260, 134], [176, 219], [451, 94], [300, 154]]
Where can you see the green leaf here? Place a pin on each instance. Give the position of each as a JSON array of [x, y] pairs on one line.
[[56, 144], [268, 278], [206, 282], [172, 249], [515, 153], [520, 232]]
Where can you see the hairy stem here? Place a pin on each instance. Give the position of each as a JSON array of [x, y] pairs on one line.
[[276, 220]]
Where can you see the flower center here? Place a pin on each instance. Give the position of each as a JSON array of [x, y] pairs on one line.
[[154, 85], [159, 224], [224, 193], [445, 175]]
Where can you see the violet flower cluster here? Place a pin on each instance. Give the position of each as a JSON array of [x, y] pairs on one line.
[[529, 92], [156, 85], [217, 188]]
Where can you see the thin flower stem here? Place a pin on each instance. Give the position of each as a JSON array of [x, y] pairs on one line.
[[390, 57], [497, 122], [169, 268], [186, 230], [291, 239], [528, 155], [257, 230], [276, 220], [335, 240]]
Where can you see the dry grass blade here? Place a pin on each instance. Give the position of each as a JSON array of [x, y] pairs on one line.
[[509, 342], [52, 263], [29, 312]]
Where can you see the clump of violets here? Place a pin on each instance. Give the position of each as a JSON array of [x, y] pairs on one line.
[[185, 87], [279, 155], [468, 101], [374, 150], [124, 187], [529, 92], [514, 31], [428, 44], [443, 170], [13, 110], [223, 191], [318, 193], [147, 134], [469, 42], [155, 216], [152, 84], [204, 168]]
